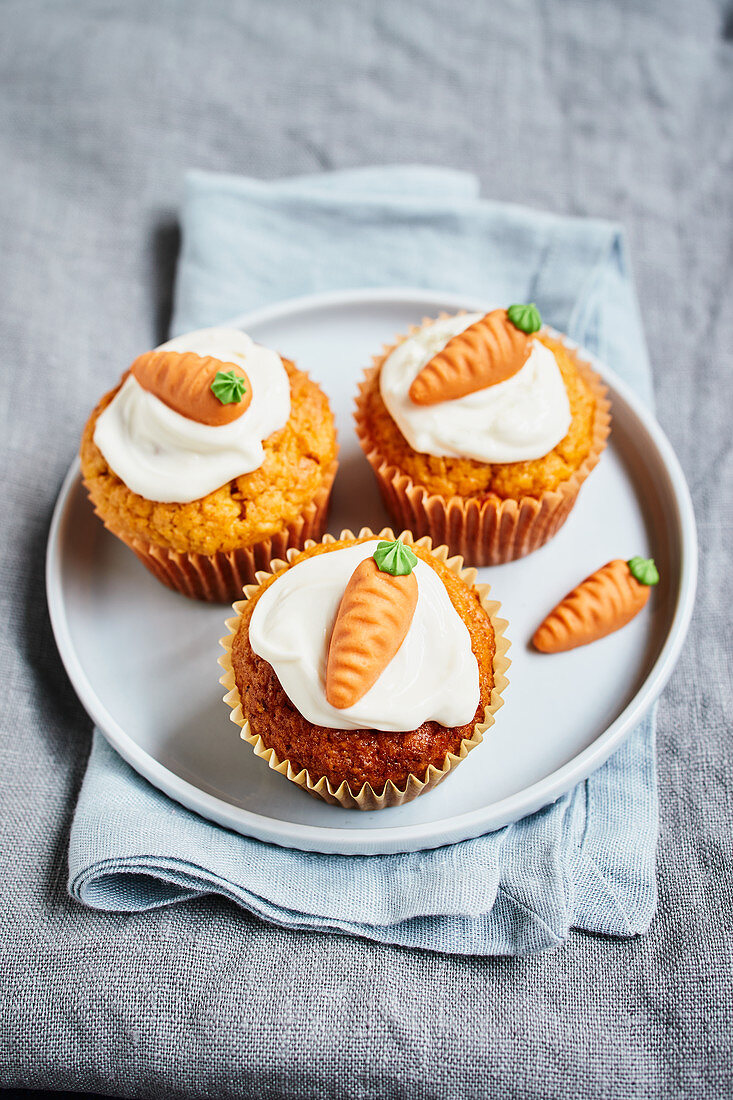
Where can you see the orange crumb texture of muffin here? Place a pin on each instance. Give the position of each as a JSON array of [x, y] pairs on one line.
[[358, 756], [467, 478], [248, 508]]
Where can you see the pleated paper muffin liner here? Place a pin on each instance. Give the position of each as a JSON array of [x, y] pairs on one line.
[[221, 577], [484, 530], [367, 798]]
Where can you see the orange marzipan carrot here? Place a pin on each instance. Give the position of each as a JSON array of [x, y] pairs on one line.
[[605, 601], [488, 351], [373, 618], [182, 380]]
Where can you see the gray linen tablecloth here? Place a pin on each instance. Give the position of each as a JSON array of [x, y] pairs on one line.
[[617, 110]]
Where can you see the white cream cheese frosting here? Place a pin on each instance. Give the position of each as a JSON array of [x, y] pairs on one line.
[[166, 457], [512, 421], [433, 676]]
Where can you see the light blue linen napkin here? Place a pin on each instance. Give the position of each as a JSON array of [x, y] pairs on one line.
[[585, 862]]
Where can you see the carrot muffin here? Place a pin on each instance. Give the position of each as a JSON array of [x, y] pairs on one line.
[[365, 669], [481, 430], [211, 456]]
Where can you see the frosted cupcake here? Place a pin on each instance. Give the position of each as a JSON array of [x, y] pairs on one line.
[[210, 457], [365, 669], [480, 430]]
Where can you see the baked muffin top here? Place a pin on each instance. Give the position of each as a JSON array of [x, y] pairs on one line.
[[292, 463], [457, 447]]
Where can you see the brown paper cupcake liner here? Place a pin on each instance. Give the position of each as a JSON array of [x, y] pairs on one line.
[[221, 577], [488, 530], [367, 798]]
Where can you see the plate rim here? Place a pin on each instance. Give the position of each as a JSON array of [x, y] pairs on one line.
[[397, 838]]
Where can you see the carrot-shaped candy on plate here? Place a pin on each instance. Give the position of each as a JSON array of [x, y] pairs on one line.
[[490, 350], [602, 603], [372, 621], [198, 387]]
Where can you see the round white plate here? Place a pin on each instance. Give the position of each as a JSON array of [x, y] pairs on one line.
[[144, 660]]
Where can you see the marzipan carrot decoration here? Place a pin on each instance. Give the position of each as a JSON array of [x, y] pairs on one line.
[[488, 351], [372, 622], [602, 603], [198, 387]]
